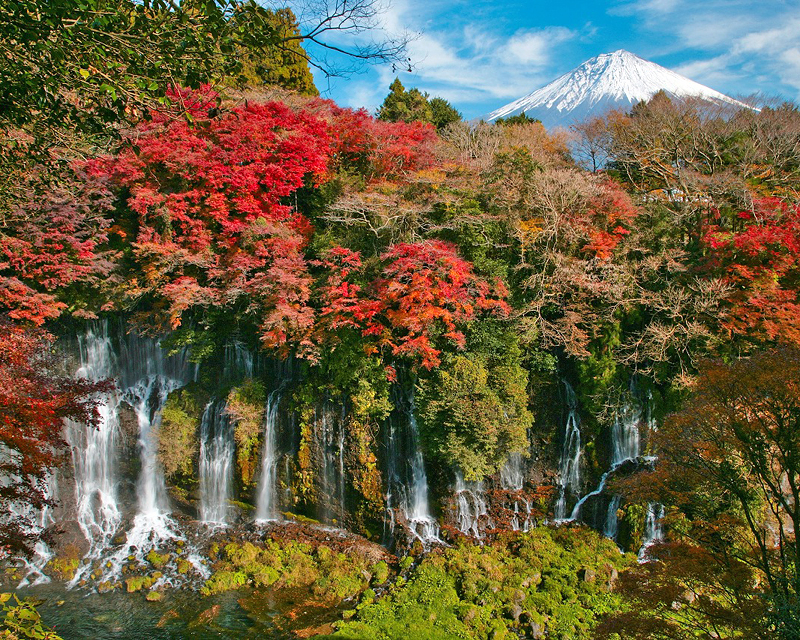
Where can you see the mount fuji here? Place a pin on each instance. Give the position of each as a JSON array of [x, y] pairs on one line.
[[616, 80]]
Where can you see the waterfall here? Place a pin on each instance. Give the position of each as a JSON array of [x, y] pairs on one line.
[[341, 453], [417, 510], [569, 466], [625, 446], [266, 505], [145, 377], [512, 479], [512, 473], [216, 464], [94, 450], [239, 361], [472, 511], [325, 460], [407, 480], [625, 434], [611, 526], [576, 510], [36, 521], [653, 529]]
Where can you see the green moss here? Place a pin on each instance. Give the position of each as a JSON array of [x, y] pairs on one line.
[[154, 596], [380, 573], [499, 590], [156, 559], [246, 405], [137, 583], [329, 575], [178, 442], [64, 568], [297, 517]]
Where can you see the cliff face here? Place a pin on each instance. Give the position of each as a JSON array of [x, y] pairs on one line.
[[241, 439]]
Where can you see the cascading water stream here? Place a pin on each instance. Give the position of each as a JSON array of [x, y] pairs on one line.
[[94, 450], [512, 479], [472, 510], [611, 525], [407, 480], [216, 464], [36, 521], [145, 377], [325, 460], [417, 509], [569, 466], [653, 529], [625, 446], [625, 439], [267, 503]]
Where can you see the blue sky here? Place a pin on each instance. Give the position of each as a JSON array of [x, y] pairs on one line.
[[481, 55]]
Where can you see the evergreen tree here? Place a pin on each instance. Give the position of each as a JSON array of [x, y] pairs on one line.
[[443, 113], [520, 118], [284, 64], [405, 106]]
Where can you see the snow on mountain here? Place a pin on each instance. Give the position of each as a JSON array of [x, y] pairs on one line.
[[608, 81]]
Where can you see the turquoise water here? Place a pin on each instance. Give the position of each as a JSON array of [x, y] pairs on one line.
[[77, 615]]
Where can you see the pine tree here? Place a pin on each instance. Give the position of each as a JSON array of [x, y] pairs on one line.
[[405, 106]]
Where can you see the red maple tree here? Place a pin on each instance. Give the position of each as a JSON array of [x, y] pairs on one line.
[[761, 264], [210, 222], [424, 291], [33, 404]]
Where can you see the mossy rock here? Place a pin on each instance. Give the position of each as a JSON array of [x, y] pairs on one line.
[[178, 441], [156, 559], [137, 583]]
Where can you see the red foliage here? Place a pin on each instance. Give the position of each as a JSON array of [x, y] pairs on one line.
[[48, 243], [425, 289], [376, 148], [212, 226], [760, 263], [33, 404], [605, 222]]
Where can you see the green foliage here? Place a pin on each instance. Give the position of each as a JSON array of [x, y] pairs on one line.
[[550, 582], [405, 106], [178, 441], [473, 410], [520, 118], [22, 620], [443, 113], [246, 406], [284, 64]]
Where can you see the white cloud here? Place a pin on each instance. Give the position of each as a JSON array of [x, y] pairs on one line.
[[748, 42], [464, 62], [534, 47]]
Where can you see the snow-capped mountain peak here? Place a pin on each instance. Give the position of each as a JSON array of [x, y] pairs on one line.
[[611, 80]]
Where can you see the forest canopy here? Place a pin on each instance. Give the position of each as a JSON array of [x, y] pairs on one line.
[[410, 260]]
